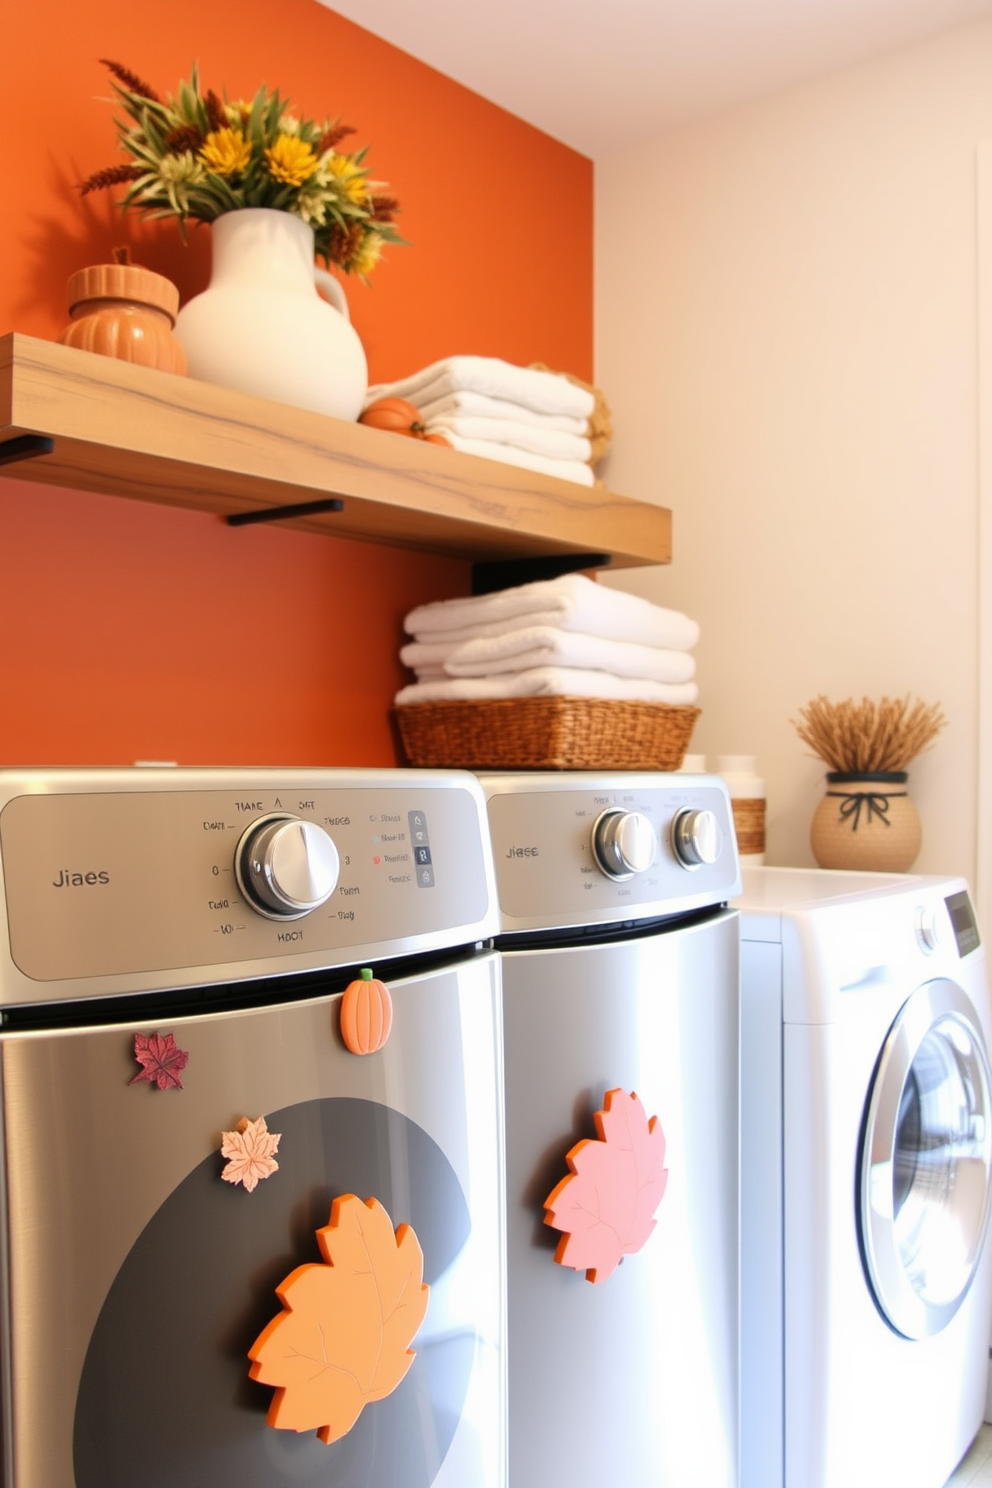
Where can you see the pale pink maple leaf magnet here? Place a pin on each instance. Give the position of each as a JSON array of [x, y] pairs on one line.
[[605, 1207], [160, 1059], [249, 1152]]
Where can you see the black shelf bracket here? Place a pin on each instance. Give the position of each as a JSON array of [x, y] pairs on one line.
[[25, 447], [283, 513], [507, 573]]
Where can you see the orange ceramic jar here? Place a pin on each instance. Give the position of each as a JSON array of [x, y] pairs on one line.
[[125, 311]]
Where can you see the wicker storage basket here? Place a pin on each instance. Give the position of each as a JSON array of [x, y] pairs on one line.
[[545, 733]]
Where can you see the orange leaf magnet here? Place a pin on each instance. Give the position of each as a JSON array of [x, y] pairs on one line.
[[342, 1340], [249, 1152], [605, 1207]]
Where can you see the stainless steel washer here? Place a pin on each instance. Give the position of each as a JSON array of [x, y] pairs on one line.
[[211, 919], [620, 973]]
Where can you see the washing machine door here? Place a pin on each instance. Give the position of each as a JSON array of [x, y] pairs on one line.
[[924, 1179]]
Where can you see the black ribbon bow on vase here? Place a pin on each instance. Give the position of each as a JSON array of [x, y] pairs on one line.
[[873, 802]]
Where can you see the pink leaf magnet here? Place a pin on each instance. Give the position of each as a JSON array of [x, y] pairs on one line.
[[160, 1060], [605, 1207], [249, 1152]]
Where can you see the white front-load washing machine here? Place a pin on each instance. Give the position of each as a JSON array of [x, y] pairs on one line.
[[866, 1276]]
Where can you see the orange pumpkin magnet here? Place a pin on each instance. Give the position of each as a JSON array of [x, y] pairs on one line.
[[366, 1013]]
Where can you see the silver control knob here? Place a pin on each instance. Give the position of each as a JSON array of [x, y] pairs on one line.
[[286, 867], [696, 838], [623, 843]]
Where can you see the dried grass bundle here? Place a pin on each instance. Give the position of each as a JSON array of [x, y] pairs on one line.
[[862, 738]]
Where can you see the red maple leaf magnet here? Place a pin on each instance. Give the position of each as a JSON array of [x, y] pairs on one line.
[[161, 1061], [605, 1207]]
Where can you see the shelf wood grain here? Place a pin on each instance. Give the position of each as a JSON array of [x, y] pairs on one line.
[[134, 432]]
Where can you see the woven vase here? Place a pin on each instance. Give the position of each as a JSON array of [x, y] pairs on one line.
[[868, 822]]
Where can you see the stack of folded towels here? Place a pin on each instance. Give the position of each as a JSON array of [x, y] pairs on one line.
[[484, 406], [566, 637]]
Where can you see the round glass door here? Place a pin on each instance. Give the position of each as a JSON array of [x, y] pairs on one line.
[[925, 1161]]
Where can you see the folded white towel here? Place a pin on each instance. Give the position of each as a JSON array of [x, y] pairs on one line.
[[479, 405], [548, 681], [545, 392], [443, 641], [571, 602], [549, 442], [545, 645], [508, 454]]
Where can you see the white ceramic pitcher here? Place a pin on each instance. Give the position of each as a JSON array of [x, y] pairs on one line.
[[261, 327]]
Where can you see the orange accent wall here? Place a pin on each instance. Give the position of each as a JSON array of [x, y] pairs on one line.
[[133, 631]]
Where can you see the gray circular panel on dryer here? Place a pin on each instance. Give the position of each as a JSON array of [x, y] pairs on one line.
[[165, 1397]]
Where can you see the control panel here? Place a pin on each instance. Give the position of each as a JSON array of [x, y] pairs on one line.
[[230, 871], [590, 849]]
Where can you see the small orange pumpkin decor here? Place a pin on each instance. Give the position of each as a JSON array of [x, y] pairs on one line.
[[122, 310], [399, 417], [366, 1013]]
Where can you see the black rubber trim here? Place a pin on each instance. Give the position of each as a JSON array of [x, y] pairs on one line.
[[600, 934], [254, 992]]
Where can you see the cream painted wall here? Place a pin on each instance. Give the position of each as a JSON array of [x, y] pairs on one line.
[[786, 332]]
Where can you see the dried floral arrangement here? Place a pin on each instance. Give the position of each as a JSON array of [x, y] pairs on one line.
[[868, 737], [198, 156]]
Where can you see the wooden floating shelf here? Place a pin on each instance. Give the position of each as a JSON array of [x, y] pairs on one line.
[[130, 431]]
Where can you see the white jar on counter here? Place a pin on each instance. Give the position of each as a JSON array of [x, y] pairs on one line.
[[693, 764], [747, 797]]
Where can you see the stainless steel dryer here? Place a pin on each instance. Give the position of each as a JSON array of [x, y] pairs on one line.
[[620, 978], [173, 953]]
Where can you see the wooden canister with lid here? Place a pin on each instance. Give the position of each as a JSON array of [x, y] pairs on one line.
[[123, 310]]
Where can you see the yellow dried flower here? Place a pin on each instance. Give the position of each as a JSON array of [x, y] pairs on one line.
[[291, 160], [225, 151], [349, 178], [367, 256]]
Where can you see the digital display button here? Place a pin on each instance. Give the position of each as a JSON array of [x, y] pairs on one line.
[[420, 838], [963, 922]]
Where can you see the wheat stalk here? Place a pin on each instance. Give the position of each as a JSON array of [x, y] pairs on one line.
[[865, 737]]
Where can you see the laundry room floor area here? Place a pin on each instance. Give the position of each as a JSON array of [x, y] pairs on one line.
[[975, 1468]]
